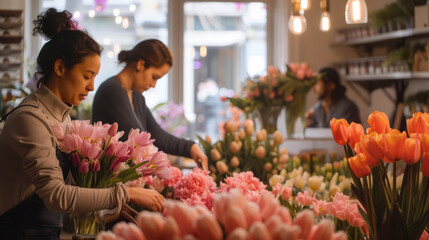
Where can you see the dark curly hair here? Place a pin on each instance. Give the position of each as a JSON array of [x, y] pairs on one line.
[[65, 42], [152, 51]]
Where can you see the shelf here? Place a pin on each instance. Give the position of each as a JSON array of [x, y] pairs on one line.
[[10, 13], [10, 25], [387, 76], [7, 52], [9, 66], [10, 39], [394, 35]]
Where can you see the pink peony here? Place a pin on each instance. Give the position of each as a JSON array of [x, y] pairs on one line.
[[176, 174]]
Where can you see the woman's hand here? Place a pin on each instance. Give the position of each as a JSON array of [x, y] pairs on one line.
[[147, 198], [197, 154]]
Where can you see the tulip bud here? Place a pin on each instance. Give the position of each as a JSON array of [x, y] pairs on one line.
[[340, 130], [261, 135], [215, 154], [212, 169], [304, 220], [278, 138], [260, 152], [322, 231], [208, 228], [234, 162], [241, 134], [208, 139], [411, 153], [230, 126], [275, 160], [75, 159], [314, 182], [359, 166], [274, 171], [84, 167], [233, 147], [221, 167], [379, 122], [268, 166], [113, 129], [248, 127], [299, 182], [284, 158], [283, 151], [275, 179]]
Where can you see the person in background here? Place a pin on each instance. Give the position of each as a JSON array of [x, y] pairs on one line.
[[333, 102], [33, 192], [120, 99]]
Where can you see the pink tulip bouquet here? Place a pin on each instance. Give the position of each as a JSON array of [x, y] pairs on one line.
[[100, 160], [233, 218], [390, 172]]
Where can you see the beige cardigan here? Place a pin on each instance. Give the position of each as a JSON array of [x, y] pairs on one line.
[[28, 161]]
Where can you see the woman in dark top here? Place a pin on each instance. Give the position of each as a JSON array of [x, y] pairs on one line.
[[119, 98]]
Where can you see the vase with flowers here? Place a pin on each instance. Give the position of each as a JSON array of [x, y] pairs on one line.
[[390, 171], [297, 82], [100, 160]]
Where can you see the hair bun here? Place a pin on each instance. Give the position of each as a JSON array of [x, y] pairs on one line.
[[51, 22], [122, 56]]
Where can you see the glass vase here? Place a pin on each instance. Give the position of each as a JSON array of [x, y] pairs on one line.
[[268, 116], [295, 117], [87, 225]]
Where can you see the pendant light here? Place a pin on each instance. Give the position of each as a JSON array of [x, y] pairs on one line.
[[356, 12], [325, 18], [297, 22], [305, 5]]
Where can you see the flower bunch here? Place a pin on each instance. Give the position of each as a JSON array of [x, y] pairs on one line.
[[171, 118], [251, 187], [238, 152], [233, 218], [100, 160], [298, 81], [392, 209]]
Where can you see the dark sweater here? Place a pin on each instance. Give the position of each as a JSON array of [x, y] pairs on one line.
[[111, 104], [343, 108]]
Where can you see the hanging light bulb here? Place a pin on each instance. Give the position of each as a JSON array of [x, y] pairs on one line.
[[356, 12], [305, 4], [325, 18], [297, 22], [325, 22]]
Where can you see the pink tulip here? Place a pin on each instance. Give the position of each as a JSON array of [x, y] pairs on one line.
[[322, 231], [75, 159], [59, 131], [309, 73], [272, 223], [272, 95], [70, 143], [268, 205], [128, 231], [107, 236], [300, 74], [151, 224], [113, 129], [305, 198], [258, 231], [304, 220], [238, 234], [286, 193], [143, 139], [90, 151], [252, 213], [185, 217], [284, 215], [293, 67], [286, 232], [340, 235], [95, 166], [234, 218], [84, 167], [171, 229], [208, 228], [304, 66]]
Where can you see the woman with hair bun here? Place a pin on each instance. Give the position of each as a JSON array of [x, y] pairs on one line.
[[119, 98], [33, 193]]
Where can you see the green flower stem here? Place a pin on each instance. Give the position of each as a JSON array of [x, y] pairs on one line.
[[371, 210], [384, 188], [394, 181]]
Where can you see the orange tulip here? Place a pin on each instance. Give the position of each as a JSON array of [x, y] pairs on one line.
[[411, 151], [379, 122], [358, 165], [370, 160], [424, 141], [340, 130], [394, 142], [425, 168], [419, 123], [373, 145], [355, 131]]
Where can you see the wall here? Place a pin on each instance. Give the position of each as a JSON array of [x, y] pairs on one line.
[[316, 48]]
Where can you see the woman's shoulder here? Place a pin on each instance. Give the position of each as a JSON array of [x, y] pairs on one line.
[[109, 87]]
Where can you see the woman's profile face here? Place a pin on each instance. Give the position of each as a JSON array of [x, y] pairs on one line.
[[78, 81], [148, 77]]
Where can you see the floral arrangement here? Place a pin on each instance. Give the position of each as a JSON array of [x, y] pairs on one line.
[[233, 218], [394, 207], [171, 118], [100, 160], [238, 152]]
